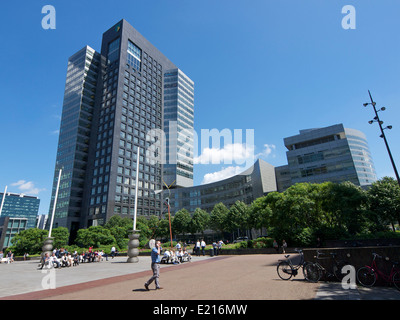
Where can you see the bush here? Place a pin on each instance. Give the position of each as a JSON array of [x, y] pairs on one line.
[[304, 239], [258, 243]]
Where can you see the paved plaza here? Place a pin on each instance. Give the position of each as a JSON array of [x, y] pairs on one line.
[[247, 277]]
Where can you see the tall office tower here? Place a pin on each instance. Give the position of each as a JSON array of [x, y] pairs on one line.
[[179, 129], [74, 138], [127, 114], [332, 153]]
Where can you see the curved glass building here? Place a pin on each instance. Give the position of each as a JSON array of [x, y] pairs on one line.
[[251, 184], [332, 153]]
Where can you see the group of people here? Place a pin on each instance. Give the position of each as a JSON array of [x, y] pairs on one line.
[[200, 247], [276, 246], [8, 258], [176, 256], [62, 258]]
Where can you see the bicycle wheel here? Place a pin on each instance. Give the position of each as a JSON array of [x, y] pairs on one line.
[[366, 276], [312, 272], [396, 280], [284, 270], [337, 270]]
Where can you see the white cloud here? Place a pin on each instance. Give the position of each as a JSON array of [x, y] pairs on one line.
[[268, 151], [55, 132], [27, 187], [224, 173], [236, 152]]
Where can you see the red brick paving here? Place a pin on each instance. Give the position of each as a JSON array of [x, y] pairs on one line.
[[250, 277]]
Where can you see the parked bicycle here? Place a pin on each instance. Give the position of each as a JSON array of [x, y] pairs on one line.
[[314, 271], [287, 269], [368, 275]]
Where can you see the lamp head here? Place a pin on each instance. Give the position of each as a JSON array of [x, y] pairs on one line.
[[365, 104]]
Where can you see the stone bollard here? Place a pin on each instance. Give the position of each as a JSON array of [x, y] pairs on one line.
[[48, 246], [133, 245]]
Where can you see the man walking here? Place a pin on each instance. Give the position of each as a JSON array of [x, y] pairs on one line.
[[155, 266]]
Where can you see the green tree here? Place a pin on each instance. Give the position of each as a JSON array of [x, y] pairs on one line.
[[218, 218], [61, 237], [94, 236], [238, 216], [119, 228], [145, 231], [181, 223], [345, 204], [384, 203], [260, 213], [200, 221], [162, 230], [28, 241]]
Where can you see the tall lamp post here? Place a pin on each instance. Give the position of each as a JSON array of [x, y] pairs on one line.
[[133, 244], [380, 123], [2, 200], [169, 213], [48, 243]]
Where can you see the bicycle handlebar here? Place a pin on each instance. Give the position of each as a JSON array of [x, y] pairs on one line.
[[376, 255]]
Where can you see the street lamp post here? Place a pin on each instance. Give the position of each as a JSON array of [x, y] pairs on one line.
[[48, 242], [133, 244], [376, 119], [2, 200], [169, 212]]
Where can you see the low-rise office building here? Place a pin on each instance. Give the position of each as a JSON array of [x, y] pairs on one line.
[[253, 183], [18, 213]]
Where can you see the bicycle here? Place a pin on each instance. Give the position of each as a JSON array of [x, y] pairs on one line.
[[286, 269], [315, 270], [368, 275]]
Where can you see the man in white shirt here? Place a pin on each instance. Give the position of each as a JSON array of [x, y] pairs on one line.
[[203, 246]]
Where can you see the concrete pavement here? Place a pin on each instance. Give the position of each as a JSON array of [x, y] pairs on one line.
[[250, 277]]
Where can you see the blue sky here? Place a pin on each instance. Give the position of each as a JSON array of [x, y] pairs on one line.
[[275, 67]]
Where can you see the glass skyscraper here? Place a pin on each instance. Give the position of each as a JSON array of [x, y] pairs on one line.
[[98, 147], [74, 138], [178, 128]]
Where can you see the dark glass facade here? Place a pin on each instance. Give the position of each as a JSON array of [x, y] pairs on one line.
[[126, 114], [74, 139]]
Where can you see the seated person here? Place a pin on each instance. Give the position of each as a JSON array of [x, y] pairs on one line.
[[45, 260], [179, 255], [55, 261], [186, 255], [64, 260], [167, 256], [174, 258]]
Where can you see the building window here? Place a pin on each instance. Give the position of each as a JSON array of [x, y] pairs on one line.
[[113, 51], [134, 57]]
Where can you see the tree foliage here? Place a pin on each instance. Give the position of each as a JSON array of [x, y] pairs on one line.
[[299, 215]]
